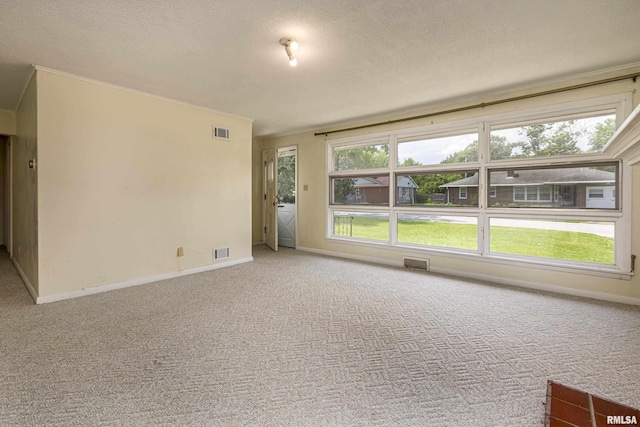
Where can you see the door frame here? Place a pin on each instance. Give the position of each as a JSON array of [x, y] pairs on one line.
[[270, 200]]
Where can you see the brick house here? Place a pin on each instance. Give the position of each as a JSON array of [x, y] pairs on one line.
[[554, 188], [375, 190]]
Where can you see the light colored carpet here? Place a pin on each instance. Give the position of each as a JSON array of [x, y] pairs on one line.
[[298, 339]]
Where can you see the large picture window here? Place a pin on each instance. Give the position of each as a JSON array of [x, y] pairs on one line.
[[531, 186]]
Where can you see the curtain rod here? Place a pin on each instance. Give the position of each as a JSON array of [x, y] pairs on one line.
[[488, 104]]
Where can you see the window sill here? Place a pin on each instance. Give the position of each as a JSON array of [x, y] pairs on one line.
[[523, 262]]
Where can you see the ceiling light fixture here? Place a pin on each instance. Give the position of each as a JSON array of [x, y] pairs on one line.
[[290, 46]]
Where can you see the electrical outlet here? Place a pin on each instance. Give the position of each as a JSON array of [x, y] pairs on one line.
[[180, 251], [305, 187]]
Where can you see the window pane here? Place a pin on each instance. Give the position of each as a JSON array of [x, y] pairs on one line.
[[373, 226], [363, 157], [287, 176], [570, 240], [582, 135], [435, 230], [423, 150], [361, 190], [584, 187], [455, 188]]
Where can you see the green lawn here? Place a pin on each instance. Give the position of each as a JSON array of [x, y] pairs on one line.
[[512, 240]]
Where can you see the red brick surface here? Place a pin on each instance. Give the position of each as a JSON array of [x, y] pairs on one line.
[[568, 407]]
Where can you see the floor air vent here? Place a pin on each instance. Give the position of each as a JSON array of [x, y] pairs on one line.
[[221, 133], [416, 263], [220, 254]]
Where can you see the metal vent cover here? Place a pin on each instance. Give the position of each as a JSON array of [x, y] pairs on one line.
[[416, 263], [220, 253], [221, 133]]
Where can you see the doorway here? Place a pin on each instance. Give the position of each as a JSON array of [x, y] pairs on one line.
[[287, 197], [280, 193]]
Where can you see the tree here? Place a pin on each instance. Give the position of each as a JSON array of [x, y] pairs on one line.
[[500, 147], [342, 187], [287, 179], [548, 139], [601, 135], [467, 154], [370, 157]]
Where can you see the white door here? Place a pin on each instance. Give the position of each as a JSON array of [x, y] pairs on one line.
[[287, 178], [601, 197], [271, 199]]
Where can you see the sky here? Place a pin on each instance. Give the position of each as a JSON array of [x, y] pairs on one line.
[[434, 151]]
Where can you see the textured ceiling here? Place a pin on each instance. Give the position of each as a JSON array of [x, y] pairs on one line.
[[357, 59]]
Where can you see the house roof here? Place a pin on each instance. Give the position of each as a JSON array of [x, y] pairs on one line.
[[540, 177], [357, 60]]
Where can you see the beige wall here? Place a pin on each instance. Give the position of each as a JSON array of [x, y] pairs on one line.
[[125, 179], [312, 203], [7, 122], [25, 206]]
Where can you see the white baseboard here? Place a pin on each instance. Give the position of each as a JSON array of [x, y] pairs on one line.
[[136, 282], [258, 243], [541, 286], [512, 282], [26, 281]]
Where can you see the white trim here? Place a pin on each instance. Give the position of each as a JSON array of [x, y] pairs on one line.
[[501, 259], [24, 88], [26, 281], [134, 91], [258, 243], [135, 282], [483, 277], [540, 286], [625, 142]]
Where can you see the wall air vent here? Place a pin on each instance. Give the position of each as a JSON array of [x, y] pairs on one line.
[[221, 133], [220, 254], [416, 263]]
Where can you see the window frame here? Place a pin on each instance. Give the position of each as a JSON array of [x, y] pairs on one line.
[[526, 193], [621, 216]]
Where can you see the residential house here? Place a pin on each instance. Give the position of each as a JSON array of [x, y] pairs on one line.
[[375, 190], [582, 187]]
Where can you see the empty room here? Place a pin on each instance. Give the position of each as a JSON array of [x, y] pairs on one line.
[[415, 213]]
